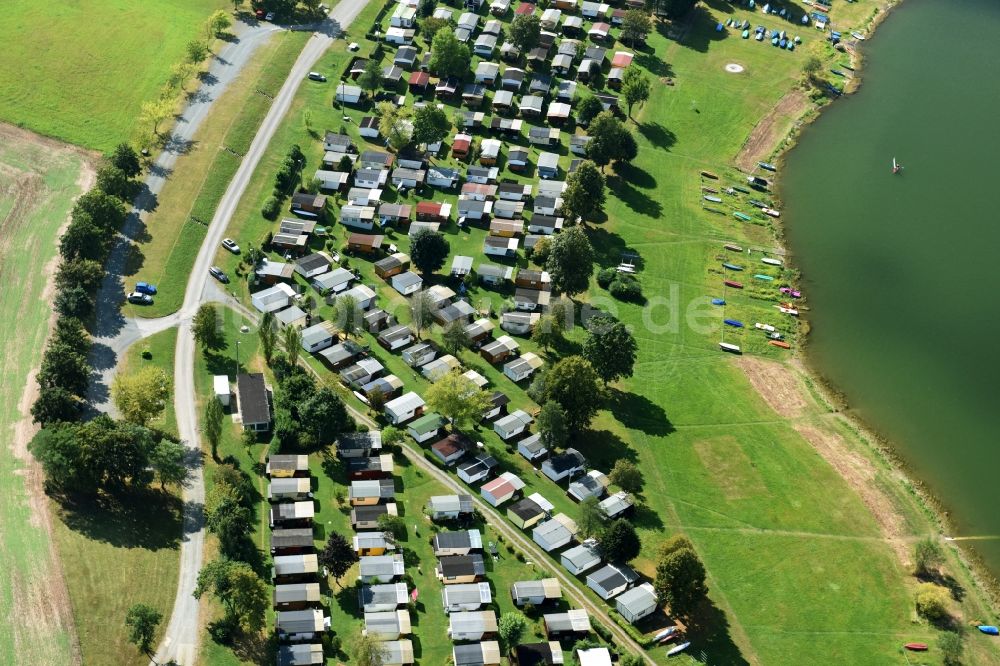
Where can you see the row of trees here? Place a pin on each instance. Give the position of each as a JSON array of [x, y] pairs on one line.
[[286, 180]]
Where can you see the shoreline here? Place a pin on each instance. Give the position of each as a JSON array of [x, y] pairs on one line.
[[877, 444]]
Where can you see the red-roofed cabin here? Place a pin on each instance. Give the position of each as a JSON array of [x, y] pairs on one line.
[[419, 81], [430, 211], [622, 59], [525, 8], [460, 147]]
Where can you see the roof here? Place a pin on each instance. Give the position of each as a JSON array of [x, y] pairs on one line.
[[472, 539], [637, 599], [461, 263], [289, 316], [369, 440], [381, 565], [370, 513], [539, 654], [506, 484], [471, 622], [559, 526], [616, 503], [301, 537], [567, 460], [426, 423], [612, 576], [397, 652], [407, 402], [576, 620], [287, 565], [387, 623], [300, 654], [516, 419], [284, 594], [450, 503], [548, 588], [467, 593], [526, 509], [367, 488], [598, 656], [476, 654], [452, 566], [254, 404], [584, 556], [287, 462]]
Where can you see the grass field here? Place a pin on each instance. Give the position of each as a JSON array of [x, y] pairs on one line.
[[80, 71], [38, 181], [798, 564], [187, 203]]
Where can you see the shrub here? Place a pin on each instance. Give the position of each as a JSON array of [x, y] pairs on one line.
[[271, 208], [606, 276], [626, 288], [932, 602]]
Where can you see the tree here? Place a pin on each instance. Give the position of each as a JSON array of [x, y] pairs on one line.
[[812, 66], [392, 436], [168, 462], [70, 332], [454, 338], [457, 398], [932, 601], [449, 57], [228, 516], [548, 332], [395, 526], [74, 303], [430, 125], [155, 112], [588, 108], [619, 541], [673, 9], [636, 88], [626, 475], [610, 141], [928, 556], [392, 124], [212, 424], [552, 428], [673, 544], [113, 181], [348, 314], [573, 384], [217, 24], [368, 650], [610, 348], [85, 273], [680, 582], [240, 590], [571, 261], [584, 195], [636, 24], [428, 250], [371, 77], [325, 415], [84, 239], [268, 334], [510, 629], [338, 556], [205, 326], [125, 158], [591, 519], [421, 311], [142, 621], [950, 644], [197, 51], [141, 396], [55, 404], [104, 210], [430, 27], [292, 339], [525, 31], [60, 453], [64, 368]]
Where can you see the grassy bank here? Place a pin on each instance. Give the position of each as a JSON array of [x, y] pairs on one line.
[[112, 54], [187, 203], [771, 488], [38, 181]]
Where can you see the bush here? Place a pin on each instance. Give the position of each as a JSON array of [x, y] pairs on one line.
[[540, 253], [271, 208], [606, 276], [626, 288], [932, 602]]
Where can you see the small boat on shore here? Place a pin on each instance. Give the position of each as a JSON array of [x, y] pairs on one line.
[[764, 327], [732, 267], [771, 212], [732, 247], [735, 323], [718, 301], [713, 199], [713, 210], [779, 343], [765, 278], [733, 284], [683, 646], [742, 216], [858, 36], [757, 204], [788, 311], [732, 349], [916, 647], [709, 190], [767, 165], [669, 632], [989, 629], [709, 174], [771, 262], [790, 292]]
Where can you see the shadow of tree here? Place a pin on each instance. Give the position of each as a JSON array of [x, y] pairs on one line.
[[658, 135], [602, 448], [149, 519], [639, 413], [701, 30], [709, 630], [609, 248]]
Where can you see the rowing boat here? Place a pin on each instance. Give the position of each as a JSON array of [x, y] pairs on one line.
[[765, 278], [791, 292], [764, 327], [665, 634], [732, 267], [733, 247], [718, 301], [735, 323], [779, 344], [767, 165], [709, 190], [788, 311], [742, 216], [771, 262], [709, 174], [916, 647], [683, 646], [709, 197], [733, 284], [989, 629], [732, 349], [771, 212]]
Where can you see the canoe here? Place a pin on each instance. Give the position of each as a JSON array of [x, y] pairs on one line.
[[733, 284], [735, 323], [764, 327], [718, 301], [765, 278], [741, 189], [709, 197], [789, 311], [779, 343], [713, 210], [791, 292], [758, 204], [732, 267], [767, 165], [916, 647], [666, 633], [709, 174], [683, 646], [771, 262], [858, 36], [771, 212], [732, 349], [742, 216], [989, 629], [709, 190], [734, 248]]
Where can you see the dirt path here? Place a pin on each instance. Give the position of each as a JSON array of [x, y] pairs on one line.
[[777, 384], [771, 128]]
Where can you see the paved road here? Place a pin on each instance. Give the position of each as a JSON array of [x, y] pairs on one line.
[[113, 332], [182, 635]]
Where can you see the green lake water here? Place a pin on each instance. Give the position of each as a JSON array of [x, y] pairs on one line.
[[901, 272]]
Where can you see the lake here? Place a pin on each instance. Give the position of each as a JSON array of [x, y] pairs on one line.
[[899, 270]]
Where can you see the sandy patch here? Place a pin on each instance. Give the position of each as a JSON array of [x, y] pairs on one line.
[[777, 384], [771, 129], [860, 476]]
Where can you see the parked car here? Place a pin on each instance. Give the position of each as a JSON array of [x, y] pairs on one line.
[[316, 76], [219, 274], [231, 245], [145, 288], [140, 299], [269, 17]]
